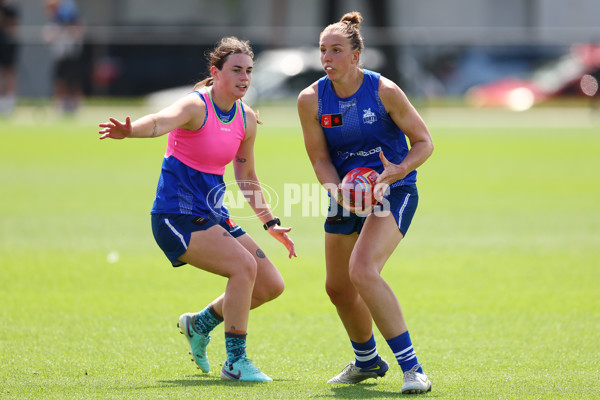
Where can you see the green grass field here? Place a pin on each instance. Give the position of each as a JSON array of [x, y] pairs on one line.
[[499, 275]]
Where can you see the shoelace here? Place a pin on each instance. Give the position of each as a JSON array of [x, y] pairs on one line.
[[411, 374], [250, 366], [348, 367]]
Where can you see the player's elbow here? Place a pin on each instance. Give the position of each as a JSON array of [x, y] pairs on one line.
[[430, 147], [425, 148]]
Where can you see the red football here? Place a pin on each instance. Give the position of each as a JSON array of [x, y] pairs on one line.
[[357, 187]]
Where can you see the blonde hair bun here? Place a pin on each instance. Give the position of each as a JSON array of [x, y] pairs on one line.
[[353, 18]]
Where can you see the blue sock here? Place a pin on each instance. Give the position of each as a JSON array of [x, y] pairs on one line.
[[365, 353], [403, 351], [235, 344], [206, 320]]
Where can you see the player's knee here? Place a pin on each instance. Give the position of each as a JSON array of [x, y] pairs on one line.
[[340, 296], [362, 273], [267, 291], [246, 267], [275, 289]]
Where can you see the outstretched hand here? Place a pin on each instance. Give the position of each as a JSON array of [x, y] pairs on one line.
[[115, 129], [280, 233]]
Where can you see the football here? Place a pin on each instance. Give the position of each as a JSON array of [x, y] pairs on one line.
[[357, 188]]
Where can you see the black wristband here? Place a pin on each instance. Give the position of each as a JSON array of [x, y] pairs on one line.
[[274, 221]]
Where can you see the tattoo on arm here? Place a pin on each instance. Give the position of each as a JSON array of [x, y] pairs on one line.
[[240, 160], [260, 253], [154, 130]]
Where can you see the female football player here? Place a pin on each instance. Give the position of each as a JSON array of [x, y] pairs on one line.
[[353, 117], [208, 128]]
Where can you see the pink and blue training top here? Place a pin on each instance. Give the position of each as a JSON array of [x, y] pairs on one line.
[[191, 178]]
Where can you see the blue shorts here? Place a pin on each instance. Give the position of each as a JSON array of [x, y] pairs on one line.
[[401, 201], [172, 232]]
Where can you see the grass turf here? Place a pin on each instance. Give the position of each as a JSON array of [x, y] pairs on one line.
[[498, 276]]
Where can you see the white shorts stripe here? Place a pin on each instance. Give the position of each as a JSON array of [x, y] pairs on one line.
[[179, 235], [401, 212]]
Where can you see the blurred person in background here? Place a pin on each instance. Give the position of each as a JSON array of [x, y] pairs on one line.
[[9, 19], [350, 118], [65, 34], [207, 129]]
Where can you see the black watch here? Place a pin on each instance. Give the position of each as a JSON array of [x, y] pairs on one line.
[[274, 221]]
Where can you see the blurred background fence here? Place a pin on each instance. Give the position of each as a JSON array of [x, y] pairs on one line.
[[432, 48]]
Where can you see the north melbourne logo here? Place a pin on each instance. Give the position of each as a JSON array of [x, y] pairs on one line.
[[369, 116]]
